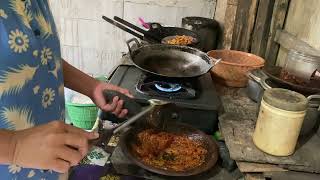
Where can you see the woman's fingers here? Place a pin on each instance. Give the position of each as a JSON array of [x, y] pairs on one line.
[[119, 107], [77, 141], [60, 166], [74, 130], [123, 113], [70, 155]]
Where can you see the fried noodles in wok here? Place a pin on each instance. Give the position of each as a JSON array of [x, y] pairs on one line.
[[169, 151]]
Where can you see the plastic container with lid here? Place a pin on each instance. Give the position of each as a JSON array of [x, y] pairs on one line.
[[279, 122]]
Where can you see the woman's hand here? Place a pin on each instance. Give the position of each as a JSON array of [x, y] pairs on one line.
[[54, 146], [114, 105], [94, 89]]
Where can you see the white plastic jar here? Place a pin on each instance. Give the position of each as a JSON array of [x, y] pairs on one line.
[[279, 122]]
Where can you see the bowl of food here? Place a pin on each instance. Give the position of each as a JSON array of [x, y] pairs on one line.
[[182, 40], [233, 68], [176, 150]]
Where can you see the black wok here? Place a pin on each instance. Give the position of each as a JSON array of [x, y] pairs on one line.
[[156, 34], [167, 33], [274, 73], [170, 60], [156, 121], [129, 138]]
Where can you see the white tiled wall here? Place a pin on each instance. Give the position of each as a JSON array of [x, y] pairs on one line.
[[95, 46]]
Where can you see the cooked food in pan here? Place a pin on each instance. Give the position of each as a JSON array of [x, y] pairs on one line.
[[180, 40], [286, 76], [169, 151]]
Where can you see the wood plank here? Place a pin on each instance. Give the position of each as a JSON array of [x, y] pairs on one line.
[[245, 18], [280, 10], [289, 41], [229, 22], [291, 175], [254, 177], [303, 22], [229, 26], [219, 16], [247, 167], [262, 27]]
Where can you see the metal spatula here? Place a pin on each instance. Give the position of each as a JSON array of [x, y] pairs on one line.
[[131, 105]]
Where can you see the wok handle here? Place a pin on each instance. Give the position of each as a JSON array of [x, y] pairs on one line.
[[155, 26], [133, 119], [130, 104], [135, 42], [215, 62], [260, 78], [313, 97], [122, 27], [145, 33]]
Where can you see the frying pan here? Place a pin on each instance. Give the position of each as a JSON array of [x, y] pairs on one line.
[[129, 138], [167, 33], [274, 73], [170, 60], [167, 39], [156, 34]]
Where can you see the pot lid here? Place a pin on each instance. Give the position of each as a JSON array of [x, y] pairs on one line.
[[285, 99]]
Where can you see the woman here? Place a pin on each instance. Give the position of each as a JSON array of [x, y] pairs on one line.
[[34, 141]]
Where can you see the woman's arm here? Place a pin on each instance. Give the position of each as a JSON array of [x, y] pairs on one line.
[[6, 147], [78, 81], [84, 84]]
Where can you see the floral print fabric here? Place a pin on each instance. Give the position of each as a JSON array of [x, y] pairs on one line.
[[31, 80]]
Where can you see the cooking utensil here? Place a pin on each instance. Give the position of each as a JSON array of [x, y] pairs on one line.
[[156, 32], [233, 69], [144, 24], [130, 137], [153, 104], [257, 84], [169, 60], [122, 27], [208, 30], [302, 64], [147, 34], [170, 32], [313, 86], [132, 106], [168, 38]]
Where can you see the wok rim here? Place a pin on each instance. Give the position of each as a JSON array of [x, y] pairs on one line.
[[191, 172], [258, 65], [175, 47]]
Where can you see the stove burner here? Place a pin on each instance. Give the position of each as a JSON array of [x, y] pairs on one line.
[[167, 87]]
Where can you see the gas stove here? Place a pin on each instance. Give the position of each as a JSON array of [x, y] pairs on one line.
[[197, 102], [170, 88]]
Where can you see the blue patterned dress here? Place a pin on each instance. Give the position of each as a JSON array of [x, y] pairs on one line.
[[31, 80]]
